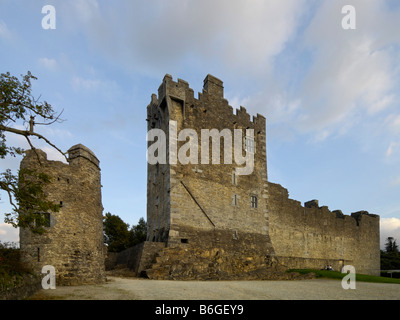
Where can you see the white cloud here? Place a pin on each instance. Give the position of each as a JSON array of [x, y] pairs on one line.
[[391, 148], [393, 122], [108, 88], [381, 104], [341, 75], [351, 74], [85, 9], [79, 83], [158, 36], [343, 78], [390, 224], [49, 64], [390, 227], [5, 33], [53, 154], [8, 233]]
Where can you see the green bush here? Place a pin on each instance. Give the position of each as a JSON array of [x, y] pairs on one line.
[[390, 260], [11, 267]]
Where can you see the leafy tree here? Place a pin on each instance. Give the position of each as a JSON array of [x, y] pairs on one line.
[[390, 257], [118, 236], [116, 233], [391, 245], [20, 109], [139, 232]]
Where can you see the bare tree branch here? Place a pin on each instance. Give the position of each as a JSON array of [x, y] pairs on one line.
[[4, 186], [57, 119], [33, 148], [29, 133]]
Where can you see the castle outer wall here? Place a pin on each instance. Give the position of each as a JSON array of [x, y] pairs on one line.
[[312, 237], [73, 242]]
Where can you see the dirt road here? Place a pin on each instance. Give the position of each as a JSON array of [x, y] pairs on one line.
[[142, 289]]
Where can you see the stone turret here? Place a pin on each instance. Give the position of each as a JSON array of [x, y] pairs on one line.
[[79, 152], [73, 241]]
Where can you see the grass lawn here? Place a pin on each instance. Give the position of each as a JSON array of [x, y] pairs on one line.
[[339, 276]]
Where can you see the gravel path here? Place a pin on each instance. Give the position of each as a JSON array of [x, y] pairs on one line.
[[143, 289]]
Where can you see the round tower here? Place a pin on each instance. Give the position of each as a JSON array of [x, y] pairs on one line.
[[73, 241]]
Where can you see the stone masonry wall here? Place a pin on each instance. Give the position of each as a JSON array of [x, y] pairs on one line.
[[185, 199], [139, 257], [203, 195], [313, 236], [204, 212], [73, 243]]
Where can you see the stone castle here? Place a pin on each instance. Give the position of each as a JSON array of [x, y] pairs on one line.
[[205, 221], [247, 222]]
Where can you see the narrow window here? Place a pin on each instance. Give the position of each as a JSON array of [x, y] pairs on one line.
[[253, 200], [250, 145], [234, 179], [38, 254], [235, 200], [184, 240]]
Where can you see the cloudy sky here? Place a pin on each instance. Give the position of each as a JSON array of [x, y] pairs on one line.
[[330, 95]]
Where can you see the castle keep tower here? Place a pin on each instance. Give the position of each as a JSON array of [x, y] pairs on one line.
[[208, 206], [217, 223], [73, 243]]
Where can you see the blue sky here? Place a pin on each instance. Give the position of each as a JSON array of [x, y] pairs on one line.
[[330, 96]]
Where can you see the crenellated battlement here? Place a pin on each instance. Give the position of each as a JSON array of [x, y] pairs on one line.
[[312, 236], [313, 207], [213, 91]]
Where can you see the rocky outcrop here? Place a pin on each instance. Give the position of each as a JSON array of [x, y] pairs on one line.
[[216, 264]]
